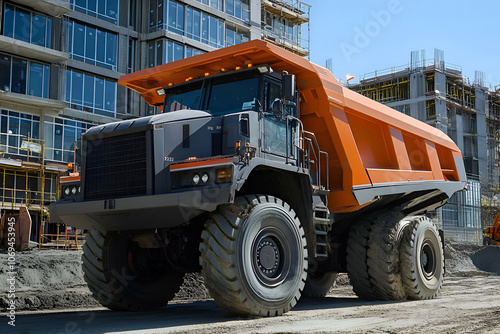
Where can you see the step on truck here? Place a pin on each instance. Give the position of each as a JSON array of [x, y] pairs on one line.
[[270, 178]]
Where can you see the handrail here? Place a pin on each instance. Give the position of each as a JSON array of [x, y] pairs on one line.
[[313, 143]]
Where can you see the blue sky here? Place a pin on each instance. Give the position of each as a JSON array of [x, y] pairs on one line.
[[366, 35]]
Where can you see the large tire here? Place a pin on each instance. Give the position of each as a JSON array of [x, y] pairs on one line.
[[373, 256], [254, 256], [486, 241], [123, 276], [318, 285], [383, 256], [422, 259], [357, 268]]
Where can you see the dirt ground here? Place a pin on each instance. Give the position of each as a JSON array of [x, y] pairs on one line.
[[51, 282]]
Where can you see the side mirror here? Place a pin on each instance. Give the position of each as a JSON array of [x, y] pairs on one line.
[[288, 86]]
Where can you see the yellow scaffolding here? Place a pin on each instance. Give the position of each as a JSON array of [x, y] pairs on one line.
[[392, 90], [30, 181]]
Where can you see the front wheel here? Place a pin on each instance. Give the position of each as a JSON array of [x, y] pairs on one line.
[[254, 256], [122, 276], [422, 259]]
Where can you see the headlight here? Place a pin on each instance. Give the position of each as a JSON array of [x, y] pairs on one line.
[[66, 191], [73, 191], [196, 179], [204, 177]]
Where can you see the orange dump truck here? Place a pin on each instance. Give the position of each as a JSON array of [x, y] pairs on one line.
[[269, 177]]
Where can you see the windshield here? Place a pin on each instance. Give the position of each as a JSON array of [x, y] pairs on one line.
[[183, 98], [233, 96], [219, 96]]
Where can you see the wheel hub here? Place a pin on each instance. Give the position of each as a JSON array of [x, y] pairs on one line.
[[268, 256], [428, 260]]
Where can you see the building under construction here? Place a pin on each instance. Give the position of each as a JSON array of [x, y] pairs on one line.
[[468, 111]]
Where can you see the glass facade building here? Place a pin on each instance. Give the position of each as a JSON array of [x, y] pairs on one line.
[[60, 61]]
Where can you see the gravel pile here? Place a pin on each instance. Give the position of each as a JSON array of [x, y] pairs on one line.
[[54, 279]]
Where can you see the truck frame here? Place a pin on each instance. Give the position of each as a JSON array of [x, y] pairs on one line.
[[269, 177]]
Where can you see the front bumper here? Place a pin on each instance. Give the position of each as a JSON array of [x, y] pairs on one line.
[[142, 212]]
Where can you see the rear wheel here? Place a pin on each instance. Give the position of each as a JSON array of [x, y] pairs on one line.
[[422, 259], [383, 256], [318, 284], [357, 268], [123, 276], [373, 256], [254, 256]]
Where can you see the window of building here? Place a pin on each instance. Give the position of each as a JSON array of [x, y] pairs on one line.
[[212, 31], [27, 26], [184, 20], [193, 23], [166, 15], [90, 93], [175, 17], [22, 76], [190, 52], [235, 35], [16, 127], [102, 9], [132, 14], [60, 137], [164, 51], [131, 56], [217, 4], [92, 45], [281, 28], [405, 109], [238, 8], [430, 106]]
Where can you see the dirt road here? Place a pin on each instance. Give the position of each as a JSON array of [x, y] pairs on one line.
[[50, 288], [466, 305]]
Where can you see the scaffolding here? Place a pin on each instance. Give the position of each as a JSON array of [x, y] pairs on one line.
[[68, 239], [393, 89], [28, 180], [493, 135], [283, 23]]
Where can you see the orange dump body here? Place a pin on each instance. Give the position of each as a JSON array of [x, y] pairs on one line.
[[369, 145]]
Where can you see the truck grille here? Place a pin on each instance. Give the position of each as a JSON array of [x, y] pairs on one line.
[[116, 167]]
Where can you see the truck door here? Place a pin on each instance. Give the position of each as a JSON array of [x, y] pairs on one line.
[[277, 130]]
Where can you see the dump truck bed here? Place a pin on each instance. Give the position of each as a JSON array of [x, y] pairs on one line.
[[374, 151]]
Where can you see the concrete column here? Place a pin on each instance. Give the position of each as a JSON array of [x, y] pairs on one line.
[[417, 96], [57, 86], [441, 113], [255, 19], [452, 132], [123, 6], [481, 135], [122, 53], [460, 132], [59, 39]]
